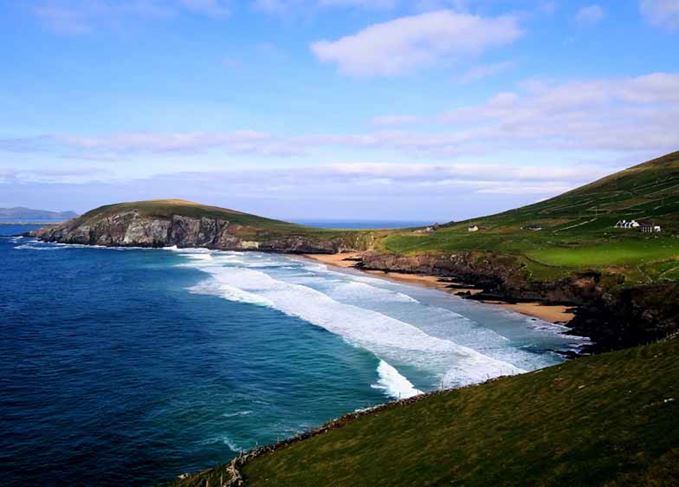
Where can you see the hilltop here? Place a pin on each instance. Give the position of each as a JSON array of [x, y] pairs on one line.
[[575, 231], [564, 250], [610, 419], [163, 223], [606, 419]]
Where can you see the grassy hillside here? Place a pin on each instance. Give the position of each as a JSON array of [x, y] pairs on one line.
[[169, 207], [577, 228], [252, 226], [610, 419]]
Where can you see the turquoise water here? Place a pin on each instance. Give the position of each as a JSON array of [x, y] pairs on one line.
[[128, 367]]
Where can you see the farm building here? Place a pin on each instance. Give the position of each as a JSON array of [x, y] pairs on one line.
[[643, 225], [627, 224], [649, 227]]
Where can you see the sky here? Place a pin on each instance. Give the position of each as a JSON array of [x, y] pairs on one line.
[[426, 110]]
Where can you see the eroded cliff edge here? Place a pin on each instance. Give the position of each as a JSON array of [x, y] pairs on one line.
[[138, 228], [609, 311], [613, 315]]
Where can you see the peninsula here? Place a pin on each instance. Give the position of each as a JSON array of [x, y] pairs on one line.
[[608, 418], [568, 251]]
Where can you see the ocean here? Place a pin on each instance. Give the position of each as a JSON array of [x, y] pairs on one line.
[[131, 366]]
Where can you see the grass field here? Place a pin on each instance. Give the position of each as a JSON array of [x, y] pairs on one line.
[[610, 419], [613, 253], [577, 228]]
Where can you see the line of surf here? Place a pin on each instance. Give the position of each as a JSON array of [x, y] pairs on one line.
[[388, 338]]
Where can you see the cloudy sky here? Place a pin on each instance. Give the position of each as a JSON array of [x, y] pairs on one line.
[[331, 109]]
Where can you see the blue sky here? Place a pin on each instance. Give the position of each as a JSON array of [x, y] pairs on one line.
[[338, 109]]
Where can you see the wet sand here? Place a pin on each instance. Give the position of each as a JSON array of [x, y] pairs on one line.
[[551, 313]]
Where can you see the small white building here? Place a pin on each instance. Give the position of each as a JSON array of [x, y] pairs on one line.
[[649, 227], [627, 224], [644, 226]]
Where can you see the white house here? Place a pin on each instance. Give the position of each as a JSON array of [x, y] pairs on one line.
[[627, 224], [649, 227], [644, 226]]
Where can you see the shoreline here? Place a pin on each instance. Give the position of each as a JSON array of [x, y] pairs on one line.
[[551, 313]]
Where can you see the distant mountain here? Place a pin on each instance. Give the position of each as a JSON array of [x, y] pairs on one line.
[[20, 213]]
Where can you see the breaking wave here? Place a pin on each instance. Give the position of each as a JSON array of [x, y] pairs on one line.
[[399, 342], [393, 383]]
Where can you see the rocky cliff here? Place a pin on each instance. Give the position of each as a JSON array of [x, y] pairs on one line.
[[613, 316], [139, 227], [500, 276]]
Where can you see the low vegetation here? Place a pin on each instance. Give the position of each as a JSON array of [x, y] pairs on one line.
[[575, 231], [610, 419]]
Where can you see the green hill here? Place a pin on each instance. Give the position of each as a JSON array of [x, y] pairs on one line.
[[646, 191], [575, 231], [169, 207], [162, 223], [611, 419]]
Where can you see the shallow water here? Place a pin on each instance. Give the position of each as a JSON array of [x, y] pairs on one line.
[[130, 366]]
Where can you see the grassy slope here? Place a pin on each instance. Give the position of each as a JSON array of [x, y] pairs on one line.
[[608, 418], [166, 208], [578, 228], [252, 224]]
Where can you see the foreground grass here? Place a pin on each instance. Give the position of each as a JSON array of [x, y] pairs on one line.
[[610, 419]]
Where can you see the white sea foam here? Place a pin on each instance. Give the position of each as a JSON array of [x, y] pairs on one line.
[[360, 291], [226, 440], [393, 383], [385, 336], [213, 288], [237, 413], [37, 247]]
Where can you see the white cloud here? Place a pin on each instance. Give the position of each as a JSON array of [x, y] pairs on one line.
[[591, 14], [407, 43], [239, 142], [288, 7], [371, 4], [394, 120], [213, 8], [664, 13], [74, 17], [626, 115], [485, 71]]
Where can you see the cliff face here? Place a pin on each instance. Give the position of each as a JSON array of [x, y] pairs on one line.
[[613, 317], [500, 275], [133, 229]]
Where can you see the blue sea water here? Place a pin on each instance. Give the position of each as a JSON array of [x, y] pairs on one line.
[[128, 367]]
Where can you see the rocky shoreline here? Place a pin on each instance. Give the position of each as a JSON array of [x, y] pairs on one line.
[[611, 315], [132, 229]]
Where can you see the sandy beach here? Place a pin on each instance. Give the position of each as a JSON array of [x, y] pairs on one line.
[[551, 313]]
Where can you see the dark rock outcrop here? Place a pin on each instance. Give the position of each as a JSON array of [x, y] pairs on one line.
[[613, 316], [132, 229], [627, 317], [500, 276]]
